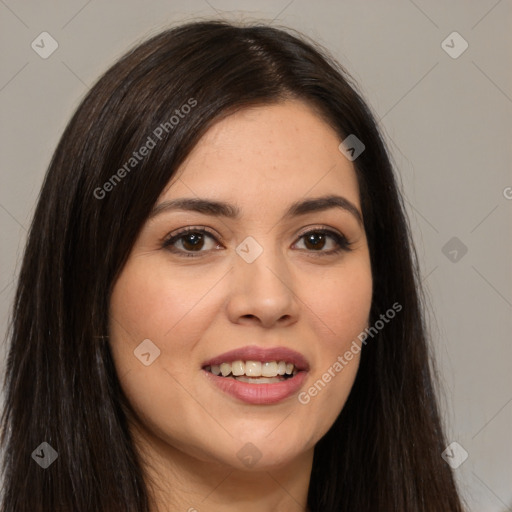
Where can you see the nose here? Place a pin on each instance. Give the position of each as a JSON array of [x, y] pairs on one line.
[[263, 292]]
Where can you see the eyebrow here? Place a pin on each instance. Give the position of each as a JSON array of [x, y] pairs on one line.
[[230, 211]]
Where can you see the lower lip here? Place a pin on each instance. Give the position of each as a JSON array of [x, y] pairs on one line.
[[259, 394]]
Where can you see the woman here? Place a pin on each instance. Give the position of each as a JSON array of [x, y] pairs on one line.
[[219, 305]]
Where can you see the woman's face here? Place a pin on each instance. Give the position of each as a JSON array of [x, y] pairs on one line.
[[273, 283]]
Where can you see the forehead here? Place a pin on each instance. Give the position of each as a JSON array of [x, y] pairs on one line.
[[266, 154]]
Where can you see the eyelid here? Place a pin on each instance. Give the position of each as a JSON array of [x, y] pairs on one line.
[[320, 227], [191, 229]]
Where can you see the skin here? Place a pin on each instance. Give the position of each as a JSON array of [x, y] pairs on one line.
[[186, 430]]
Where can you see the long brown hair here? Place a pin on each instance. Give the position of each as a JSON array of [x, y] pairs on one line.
[[383, 453]]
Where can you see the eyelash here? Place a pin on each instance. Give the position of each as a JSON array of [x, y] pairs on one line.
[[342, 243]]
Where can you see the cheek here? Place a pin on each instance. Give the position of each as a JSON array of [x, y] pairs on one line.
[[341, 304], [171, 309], [342, 307]]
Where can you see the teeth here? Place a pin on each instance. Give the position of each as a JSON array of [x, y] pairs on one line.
[[238, 368], [225, 369], [253, 369], [269, 369], [264, 370]]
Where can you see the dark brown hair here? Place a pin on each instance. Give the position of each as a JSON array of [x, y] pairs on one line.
[[383, 453]]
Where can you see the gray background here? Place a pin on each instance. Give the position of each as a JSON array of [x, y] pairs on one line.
[[448, 124]]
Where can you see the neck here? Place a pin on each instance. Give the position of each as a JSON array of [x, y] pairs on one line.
[[177, 480]]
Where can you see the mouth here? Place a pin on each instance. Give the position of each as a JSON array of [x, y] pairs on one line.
[[258, 376]]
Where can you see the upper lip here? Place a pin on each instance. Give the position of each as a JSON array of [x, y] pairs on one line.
[[255, 353]]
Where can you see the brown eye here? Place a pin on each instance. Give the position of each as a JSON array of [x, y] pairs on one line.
[[316, 240], [190, 241]]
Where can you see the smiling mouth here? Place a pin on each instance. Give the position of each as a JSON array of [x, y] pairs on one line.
[[254, 372]]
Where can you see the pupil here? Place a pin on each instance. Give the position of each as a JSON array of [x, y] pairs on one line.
[[194, 239], [315, 238]]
